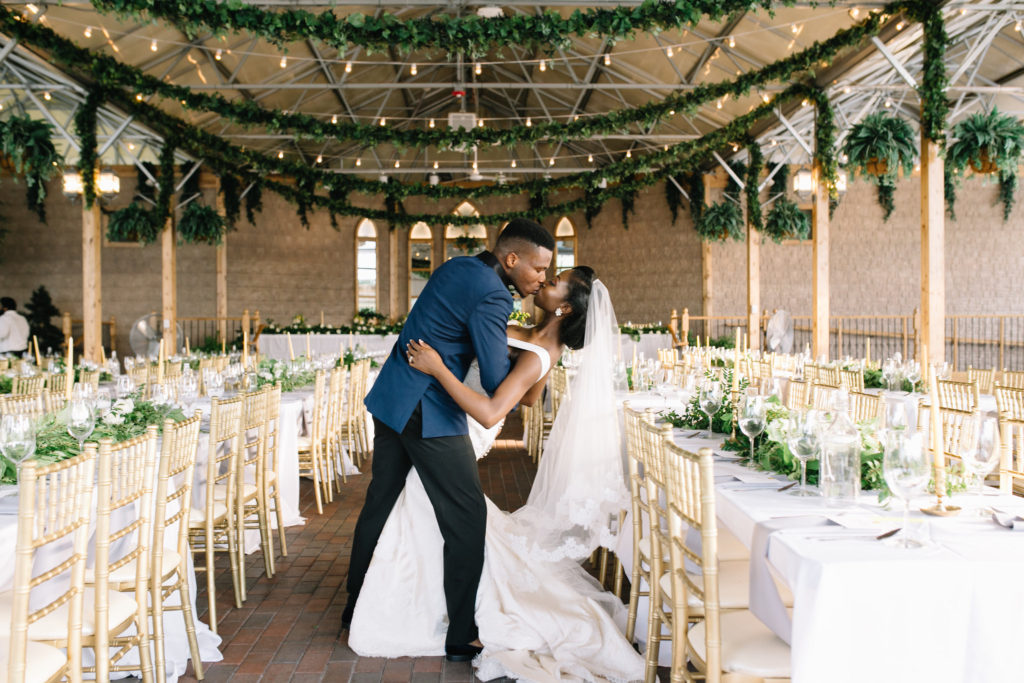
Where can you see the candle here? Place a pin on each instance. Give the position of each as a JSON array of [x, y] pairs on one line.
[[103, 354], [223, 347], [245, 348], [291, 349], [188, 348], [160, 364], [736, 363], [867, 352], [70, 369], [321, 317], [309, 353], [350, 347], [938, 450], [39, 360]]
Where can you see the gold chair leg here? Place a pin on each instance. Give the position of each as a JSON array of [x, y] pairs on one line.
[[145, 656], [619, 574], [211, 593], [266, 538], [602, 571], [190, 623], [236, 576], [157, 609], [280, 521]]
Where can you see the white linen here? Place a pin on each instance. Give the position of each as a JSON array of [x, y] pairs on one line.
[[276, 345]]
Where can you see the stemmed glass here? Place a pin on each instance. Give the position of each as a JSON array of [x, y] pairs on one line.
[[890, 371], [102, 402], [896, 416], [214, 385], [913, 374], [981, 454], [81, 421], [710, 400], [158, 394], [188, 392], [17, 438], [906, 466], [803, 436], [124, 386], [752, 420]]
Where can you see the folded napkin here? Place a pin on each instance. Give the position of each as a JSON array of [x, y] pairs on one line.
[[1008, 519]]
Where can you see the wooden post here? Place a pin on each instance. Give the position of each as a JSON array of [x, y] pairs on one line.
[[819, 215], [933, 260], [395, 305], [222, 277], [753, 287], [169, 259], [956, 343], [65, 327], [113, 334], [92, 292]]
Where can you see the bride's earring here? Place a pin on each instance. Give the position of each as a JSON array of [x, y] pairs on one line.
[[558, 312]]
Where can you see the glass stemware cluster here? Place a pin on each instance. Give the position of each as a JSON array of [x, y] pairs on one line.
[[710, 400], [803, 437], [17, 437]]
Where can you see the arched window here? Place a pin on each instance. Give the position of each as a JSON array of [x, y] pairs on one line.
[[421, 249], [565, 245], [366, 265], [464, 240]]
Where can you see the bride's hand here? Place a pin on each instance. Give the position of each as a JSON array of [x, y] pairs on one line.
[[423, 358]]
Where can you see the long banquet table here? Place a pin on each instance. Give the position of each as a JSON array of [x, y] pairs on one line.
[[863, 609]]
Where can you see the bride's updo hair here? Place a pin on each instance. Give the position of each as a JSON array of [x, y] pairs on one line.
[[574, 327]]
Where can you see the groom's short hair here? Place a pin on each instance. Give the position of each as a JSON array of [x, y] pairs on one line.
[[522, 231]]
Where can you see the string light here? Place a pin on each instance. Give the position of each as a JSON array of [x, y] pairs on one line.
[[32, 8], [87, 32], [669, 52], [543, 65], [435, 165], [854, 12], [671, 112], [735, 147], [590, 158], [348, 67], [334, 119], [131, 146], [431, 123], [152, 46], [398, 164], [576, 117], [383, 121], [474, 166], [732, 41], [280, 155], [899, 26], [846, 90], [551, 161], [805, 103], [284, 62], [888, 102], [319, 158], [774, 142], [718, 104], [138, 98], [764, 98], [629, 154], [529, 122], [219, 54], [480, 123], [666, 148], [359, 162], [412, 69], [46, 95], [607, 59], [1017, 26], [513, 163], [478, 69]]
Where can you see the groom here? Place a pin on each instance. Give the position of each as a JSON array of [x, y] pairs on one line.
[[463, 313]]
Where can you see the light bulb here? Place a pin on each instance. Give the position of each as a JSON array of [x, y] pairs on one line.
[[607, 59], [138, 97], [131, 146], [774, 142], [334, 119], [590, 158], [348, 67], [1017, 26], [529, 122], [219, 54], [383, 121], [480, 123], [846, 90], [513, 163], [666, 148], [551, 161], [669, 51], [435, 164], [735, 147], [32, 8], [671, 112], [398, 164], [319, 158], [359, 162], [474, 166], [764, 97], [280, 155], [899, 26], [87, 32], [412, 69], [543, 65], [804, 103], [718, 104], [794, 28], [284, 62], [576, 117], [46, 95], [732, 42], [478, 69], [152, 46], [431, 124]]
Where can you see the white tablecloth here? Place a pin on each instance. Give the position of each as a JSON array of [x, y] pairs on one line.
[[276, 345]]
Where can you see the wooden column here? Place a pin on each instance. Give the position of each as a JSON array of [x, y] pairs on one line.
[[933, 261], [395, 301], [92, 296], [222, 277], [819, 211], [707, 300], [169, 297], [753, 287]]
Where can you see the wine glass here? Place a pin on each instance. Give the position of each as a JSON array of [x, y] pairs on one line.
[[129, 363], [188, 392], [17, 437], [906, 466], [981, 454], [158, 394], [124, 387], [889, 374], [896, 416], [84, 391], [913, 374], [752, 420], [803, 436], [710, 400], [215, 385], [81, 420], [102, 402]]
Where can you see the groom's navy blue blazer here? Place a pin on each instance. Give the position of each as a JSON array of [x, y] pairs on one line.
[[463, 313]]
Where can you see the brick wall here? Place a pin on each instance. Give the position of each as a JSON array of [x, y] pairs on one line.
[[281, 269]]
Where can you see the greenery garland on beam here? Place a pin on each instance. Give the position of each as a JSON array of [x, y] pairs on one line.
[[109, 72], [85, 126], [472, 35], [932, 91], [753, 181]]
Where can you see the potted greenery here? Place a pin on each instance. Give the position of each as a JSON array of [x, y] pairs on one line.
[[786, 221], [26, 147], [721, 222], [133, 224], [991, 143], [201, 224], [878, 147]]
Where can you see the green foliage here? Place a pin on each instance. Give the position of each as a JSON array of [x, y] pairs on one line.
[[1007, 192], [695, 188], [999, 137], [753, 182], [230, 189], [165, 182], [886, 198], [253, 202], [932, 91], [39, 312], [695, 418], [949, 190], [6, 384], [85, 126], [881, 138], [627, 203], [786, 221], [673, 197], [467, 244], [721, 222], [133, 224], [201, 224], [634, 331], [28, 145]]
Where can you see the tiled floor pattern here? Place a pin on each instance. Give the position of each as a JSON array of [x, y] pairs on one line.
[[287, 629]]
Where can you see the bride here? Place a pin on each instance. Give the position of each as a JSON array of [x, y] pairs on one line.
[[540, 615]]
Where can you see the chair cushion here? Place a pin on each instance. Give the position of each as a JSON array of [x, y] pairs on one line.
[[748, 646], [42, 662], [220, 492], [733, 587], [54, 626], [197, 517]]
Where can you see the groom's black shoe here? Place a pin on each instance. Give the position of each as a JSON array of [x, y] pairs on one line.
[[461, 653]]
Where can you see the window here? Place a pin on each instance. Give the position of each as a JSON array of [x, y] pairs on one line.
[[366, 265], [421, 247], [565, 246], [464, 240]]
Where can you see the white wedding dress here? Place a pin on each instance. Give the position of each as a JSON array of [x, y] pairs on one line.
[[540, 619]]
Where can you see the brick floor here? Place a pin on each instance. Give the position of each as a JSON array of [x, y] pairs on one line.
[[287, 629]]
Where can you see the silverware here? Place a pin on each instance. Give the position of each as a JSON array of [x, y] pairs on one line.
[[887, 534], [788, 486]]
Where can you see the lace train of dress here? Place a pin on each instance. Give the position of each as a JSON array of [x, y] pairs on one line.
[[539, 620]]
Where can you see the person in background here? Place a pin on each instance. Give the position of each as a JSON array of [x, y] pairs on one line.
[[13, 328]]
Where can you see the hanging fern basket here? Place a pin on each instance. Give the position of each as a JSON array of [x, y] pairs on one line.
[[984, 163], [877, 167], [133, 224], [201, 224]]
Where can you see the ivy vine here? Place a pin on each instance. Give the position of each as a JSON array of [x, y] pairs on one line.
[[85, 127], [752, 183], [230, 188]]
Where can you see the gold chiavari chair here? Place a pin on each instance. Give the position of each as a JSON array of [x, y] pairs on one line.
[[169, 573], [140, 378], [1013, 378], [354, 427], [54, 508], [27, 385], [311, 456], [957, 395], [1010, 402], [852, 380], [798, 395], [533, 429], [172, 371], [334, 449], [57, 382], [54, 402], [957, 427], [723, 646], [35, 405], [123, 517], [866, 406], [810, 373], [5, 364], [559, 388], [823, 396], [984, 377], [272, 467], [1011, 460], [250, 508], [641, 572], [660, 615], [211, 526], [89, 377], [828, 376]]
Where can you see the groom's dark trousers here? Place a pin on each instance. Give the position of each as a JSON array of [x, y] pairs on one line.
[[447, 467], [462, 312]]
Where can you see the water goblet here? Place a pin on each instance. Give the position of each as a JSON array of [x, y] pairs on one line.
[[906, 466], [803, 436], [17, 437], [189, 390], [913, 374], [752, 420], [710, 401], [102, 402], [81, 421], [981, 454], [896, 416], [158, 394], [124, 386], [129, 363], [889, 374]]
